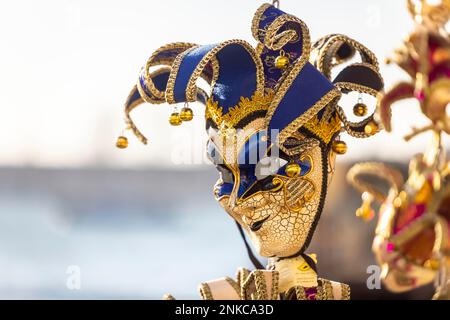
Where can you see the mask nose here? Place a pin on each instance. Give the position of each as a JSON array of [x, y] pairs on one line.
[[239, 189], [232, 201]]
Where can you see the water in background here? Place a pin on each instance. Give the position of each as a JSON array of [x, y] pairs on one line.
[[137, 234]]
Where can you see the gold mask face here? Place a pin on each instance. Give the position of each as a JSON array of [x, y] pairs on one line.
[[277, 199], [285, 84]]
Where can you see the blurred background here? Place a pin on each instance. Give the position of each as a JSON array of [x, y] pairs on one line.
[[142, 222]]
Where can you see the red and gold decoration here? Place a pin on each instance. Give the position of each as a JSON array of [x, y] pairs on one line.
[[411, 238]]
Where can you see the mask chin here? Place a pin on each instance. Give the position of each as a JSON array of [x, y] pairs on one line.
[[289, 230]]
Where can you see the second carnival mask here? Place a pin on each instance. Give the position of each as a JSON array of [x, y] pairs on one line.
[[272, 117], [411, 239]]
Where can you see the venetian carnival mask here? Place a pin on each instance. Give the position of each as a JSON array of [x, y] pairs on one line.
[[411, 239], [273, 119], [425, 57]]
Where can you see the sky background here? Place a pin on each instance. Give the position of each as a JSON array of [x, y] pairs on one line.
[[67, 66], [136, 225]]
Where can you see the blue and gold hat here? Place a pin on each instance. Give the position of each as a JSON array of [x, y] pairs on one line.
[[284, 79]]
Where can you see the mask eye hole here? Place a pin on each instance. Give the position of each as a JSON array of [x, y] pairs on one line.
[[268, 166], [225, 174]]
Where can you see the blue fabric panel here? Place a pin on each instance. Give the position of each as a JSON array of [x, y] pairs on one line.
[[213, 153], [254, 149], [225, 189], [247, 178], [142, 83], [292, 50], [187, 67], [237, 76], [134, 97], [267, 18], [202, 99], [272, 74], [235, 63], [168, 54], [308, 88], [172, 53], [160, 81]]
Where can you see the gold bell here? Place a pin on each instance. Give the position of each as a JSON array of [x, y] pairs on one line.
[[401, 200], [371, 128], [293, 170], [424, 194], [175, 119], [281, 62], [432, 264], [339, 147], [186, 114], [360, 109], [122, 142], [366, 212]]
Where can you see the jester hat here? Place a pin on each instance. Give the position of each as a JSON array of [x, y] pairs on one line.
[[286, 83], [245, 82]]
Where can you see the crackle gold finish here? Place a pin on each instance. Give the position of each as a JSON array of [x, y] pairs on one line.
[[289, 213]]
